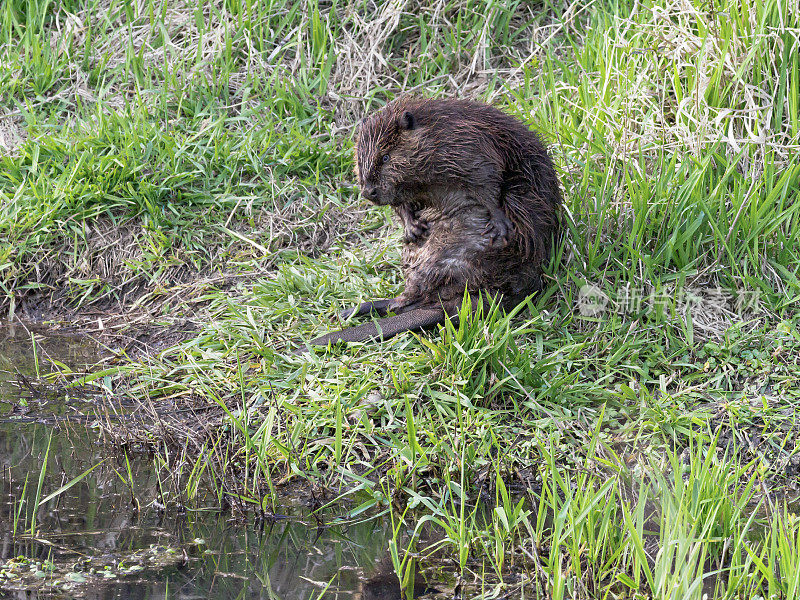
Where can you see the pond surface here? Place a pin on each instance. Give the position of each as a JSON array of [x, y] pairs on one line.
[[93, 541]]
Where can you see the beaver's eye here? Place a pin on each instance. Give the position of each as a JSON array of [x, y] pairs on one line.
[[385, 158]]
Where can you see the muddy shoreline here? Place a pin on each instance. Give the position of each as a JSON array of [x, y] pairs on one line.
[[123, 529]]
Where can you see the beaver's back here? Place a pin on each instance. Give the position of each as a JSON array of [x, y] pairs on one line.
[[460, 144]]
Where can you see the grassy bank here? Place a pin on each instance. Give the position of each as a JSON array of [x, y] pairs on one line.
[[163, 157]]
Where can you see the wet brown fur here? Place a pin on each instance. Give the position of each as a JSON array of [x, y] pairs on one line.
[[478, 198]]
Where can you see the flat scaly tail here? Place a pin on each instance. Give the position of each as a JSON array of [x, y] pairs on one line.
[[383, 329]]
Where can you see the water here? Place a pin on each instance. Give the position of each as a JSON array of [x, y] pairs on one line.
[[77, 544]]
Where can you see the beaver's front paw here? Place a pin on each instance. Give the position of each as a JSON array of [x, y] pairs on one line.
[[498, 231], [414, 231]]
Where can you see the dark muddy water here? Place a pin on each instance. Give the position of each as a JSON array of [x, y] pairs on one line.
[[90, 541]]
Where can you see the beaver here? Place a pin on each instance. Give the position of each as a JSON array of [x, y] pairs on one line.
[[478, 199]]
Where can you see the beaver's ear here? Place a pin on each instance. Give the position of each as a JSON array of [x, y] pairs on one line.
[[407, 121]]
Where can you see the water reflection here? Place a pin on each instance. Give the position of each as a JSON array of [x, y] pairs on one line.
[[98, 522]]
